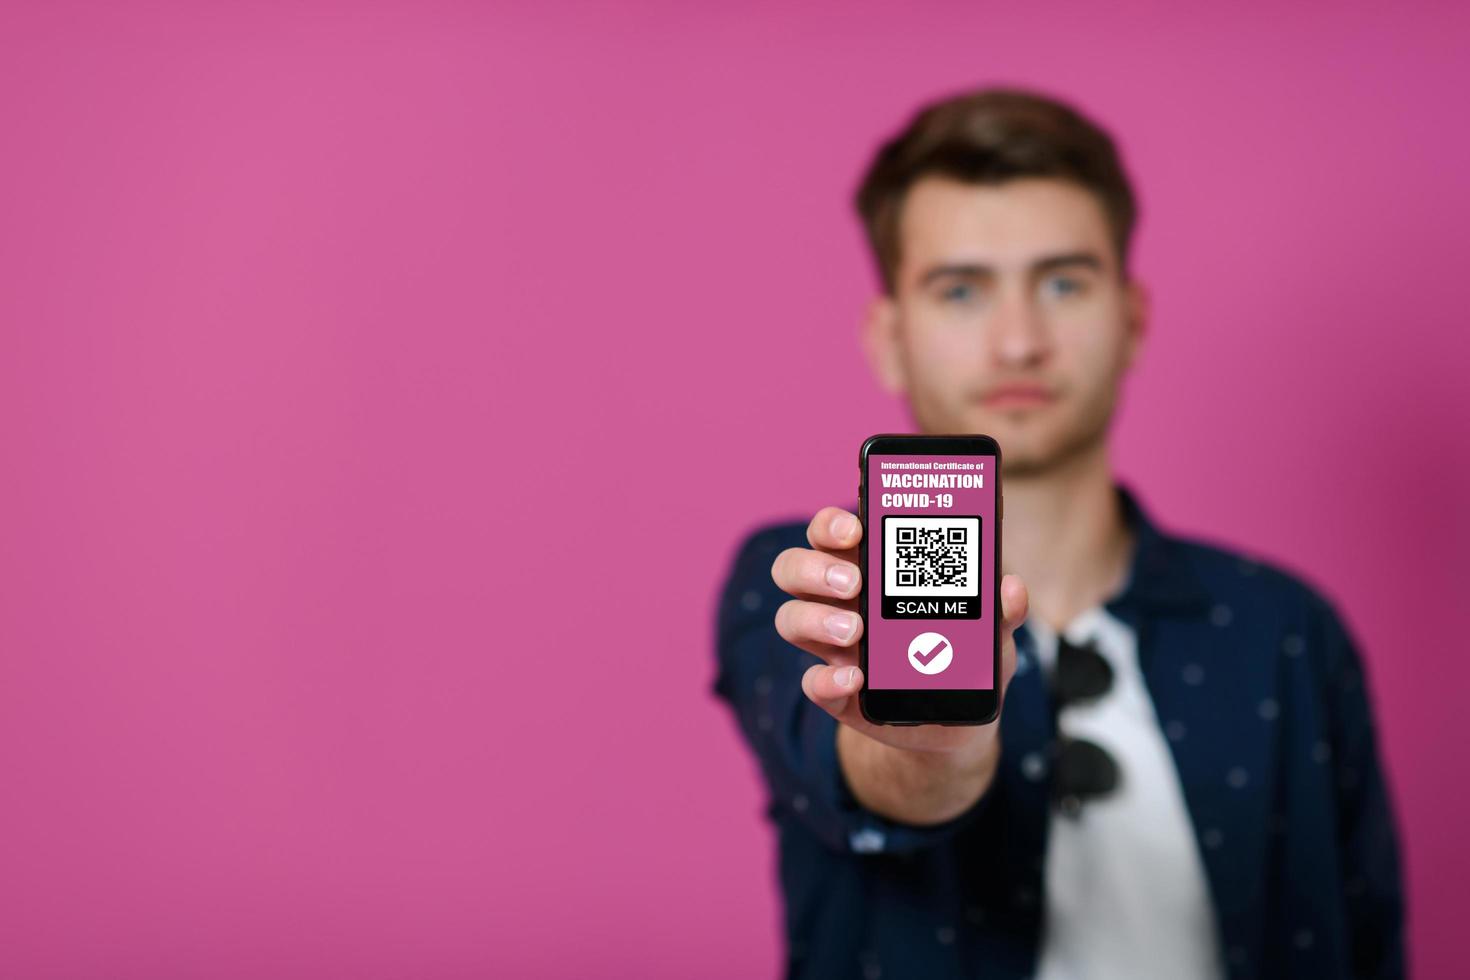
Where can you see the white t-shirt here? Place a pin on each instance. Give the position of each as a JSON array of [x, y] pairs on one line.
[[1126, 894]]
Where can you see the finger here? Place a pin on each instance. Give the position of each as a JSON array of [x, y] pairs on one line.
[[827, 631], [834, 690], [834, 530], [1014, 601], [831, 688], [804, 572]]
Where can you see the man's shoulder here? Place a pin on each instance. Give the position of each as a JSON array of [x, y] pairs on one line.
[[1251, 581], [746, 584], [747, 600], [775, 533], [756, 549]]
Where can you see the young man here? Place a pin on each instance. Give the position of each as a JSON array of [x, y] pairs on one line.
[[1235, 820]]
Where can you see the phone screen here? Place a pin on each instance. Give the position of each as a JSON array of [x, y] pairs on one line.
[[931, 527]]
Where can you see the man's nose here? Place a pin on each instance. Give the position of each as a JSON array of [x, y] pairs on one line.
[[1018, 332]]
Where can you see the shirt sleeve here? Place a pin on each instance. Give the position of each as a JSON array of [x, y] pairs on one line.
[[1373, 890], [795, 742]]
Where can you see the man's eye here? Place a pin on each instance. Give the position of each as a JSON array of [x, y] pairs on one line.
[[1063, 286], [958, 293]]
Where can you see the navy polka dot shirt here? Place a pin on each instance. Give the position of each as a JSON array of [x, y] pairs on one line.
[[1255, 665]]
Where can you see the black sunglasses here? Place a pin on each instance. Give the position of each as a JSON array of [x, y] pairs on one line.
[[1081, 769]]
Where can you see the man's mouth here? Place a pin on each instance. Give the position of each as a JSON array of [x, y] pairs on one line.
[[1017, 396]]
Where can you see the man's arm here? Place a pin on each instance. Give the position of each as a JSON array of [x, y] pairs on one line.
[[920, 788], [1366, 827], [855, 793]]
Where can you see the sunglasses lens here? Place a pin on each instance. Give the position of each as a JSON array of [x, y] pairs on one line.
[[1083, 770], [1081, 673]]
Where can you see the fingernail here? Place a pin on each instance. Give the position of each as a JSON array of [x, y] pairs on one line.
[[844, 676], [843, 525], [840, 625], [841, 577]]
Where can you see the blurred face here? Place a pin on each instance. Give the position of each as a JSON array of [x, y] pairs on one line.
[[1009, 317]]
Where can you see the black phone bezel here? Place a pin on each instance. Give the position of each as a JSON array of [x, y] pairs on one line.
[[895, 706]]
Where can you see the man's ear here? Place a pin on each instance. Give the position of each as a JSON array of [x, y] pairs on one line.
[[1137, 311], [881, 344]]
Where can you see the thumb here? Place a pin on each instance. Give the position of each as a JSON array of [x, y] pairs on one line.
[[1014, 602]]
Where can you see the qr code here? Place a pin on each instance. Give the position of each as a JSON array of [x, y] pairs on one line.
[[931, 556]]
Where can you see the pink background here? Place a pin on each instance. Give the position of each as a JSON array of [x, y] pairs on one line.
[[346, 632], [973, 640]]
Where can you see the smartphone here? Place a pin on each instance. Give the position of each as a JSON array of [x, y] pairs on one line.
[[930, 507]]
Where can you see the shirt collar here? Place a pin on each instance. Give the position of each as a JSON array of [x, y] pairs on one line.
[[1160, 576]]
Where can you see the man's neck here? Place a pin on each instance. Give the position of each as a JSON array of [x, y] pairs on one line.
[[1066, 537]]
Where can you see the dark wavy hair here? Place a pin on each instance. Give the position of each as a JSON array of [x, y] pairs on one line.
[[987, 137]]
